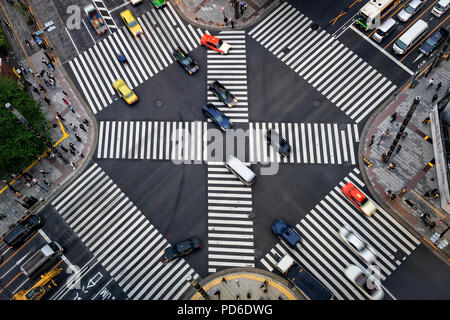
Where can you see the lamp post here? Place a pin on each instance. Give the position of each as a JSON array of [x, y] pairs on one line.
[[34, 131]]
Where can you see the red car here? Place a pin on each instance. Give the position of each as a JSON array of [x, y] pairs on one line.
[[358, 199], [215, 43]]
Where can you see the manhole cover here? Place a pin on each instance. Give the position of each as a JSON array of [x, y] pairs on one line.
[[342, 126], [159, 103], [251, 215], [317, 103]]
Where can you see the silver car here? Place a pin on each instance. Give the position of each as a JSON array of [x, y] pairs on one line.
[[411, 9], [356, 242]]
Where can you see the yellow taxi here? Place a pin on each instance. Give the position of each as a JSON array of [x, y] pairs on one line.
[[125, 92], [131, 23]]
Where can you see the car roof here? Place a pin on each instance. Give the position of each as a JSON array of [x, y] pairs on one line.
[[210, 38]]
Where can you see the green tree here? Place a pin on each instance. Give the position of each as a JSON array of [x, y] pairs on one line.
[[3, 42], [19, 147]]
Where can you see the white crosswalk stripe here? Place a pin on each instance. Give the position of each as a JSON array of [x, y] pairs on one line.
[[325, 255], [97, 68], [231, 71], [230, 228], [121, 238], [109, 21], [325, 63]]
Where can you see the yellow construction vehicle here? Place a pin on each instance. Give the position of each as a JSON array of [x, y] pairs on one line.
[[40, 288]]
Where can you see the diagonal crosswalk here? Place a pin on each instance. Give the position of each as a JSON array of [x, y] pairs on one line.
[[311, 143], [98, 67], [326, 256], [231, 71], [330, 67], [230, 228], [121, 238]]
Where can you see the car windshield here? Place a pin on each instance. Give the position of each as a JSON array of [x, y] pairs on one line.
[[224, 94], [219, 118], [409, 9], [33, 292], [186, 62], [220, 43], [401, 44], [132, 23], [431, 41]]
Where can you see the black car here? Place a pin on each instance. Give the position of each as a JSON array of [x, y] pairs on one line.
[[185, 61], [434, 41], [278, 143], [222, 93], [22, 231], [181, 248], [217, 116]]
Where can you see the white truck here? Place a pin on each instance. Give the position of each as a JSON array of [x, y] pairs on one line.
[[304, 281], [41, 260]]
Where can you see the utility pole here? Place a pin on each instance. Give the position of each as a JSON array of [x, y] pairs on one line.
[[34, 131], [402, 128], [197, 286]]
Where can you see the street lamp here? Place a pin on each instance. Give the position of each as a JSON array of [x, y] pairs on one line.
[[34, 131]]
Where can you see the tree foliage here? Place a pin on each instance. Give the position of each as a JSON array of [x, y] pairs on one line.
[[19, 147]]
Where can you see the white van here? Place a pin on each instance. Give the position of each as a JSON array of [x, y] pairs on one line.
[[385, 29], [416, 32], [42, 259], [240, 170], [440, 8]]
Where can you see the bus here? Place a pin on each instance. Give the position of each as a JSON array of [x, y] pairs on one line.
[[369, 17]]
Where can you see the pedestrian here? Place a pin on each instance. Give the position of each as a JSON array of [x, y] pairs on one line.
[[82, 127], [78, 137], [45, 180], [241, 5], [72, 164], [44, 61], [224, 280], [438, 86], [249, 295], [64, 93], [18, 194], [388, 194], [430, 83], [44, 172], [50, 66], [232, 23], [392, 166], [393, 197], [47, 100], [60, 116], [64, 149], [42, 88], [82, 155], [41, 74], [72, 152], [72, 146], [73, 126], [28, 44], [398, 148], [386, 133], [65, 101], [383, 156], [30, 70], [71, 109], [50, 76], [371, 140], [393, 117], [426, 120], [404, 135], [46, 83], [86, 122], [434, 97]]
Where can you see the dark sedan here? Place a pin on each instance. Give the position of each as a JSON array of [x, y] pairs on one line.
[[222, 93], [181, 248], [185, 61], [278, 143], [286, 232], [434, 41], [217, 116]]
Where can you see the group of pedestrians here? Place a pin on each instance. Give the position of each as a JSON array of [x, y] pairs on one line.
[[238, 6]]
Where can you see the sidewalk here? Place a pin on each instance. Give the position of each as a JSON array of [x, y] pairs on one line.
[[413, 174], [244, 284], [55, 173], [208, 14]]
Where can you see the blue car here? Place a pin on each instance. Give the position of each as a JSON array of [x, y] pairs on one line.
[[286, 232], [217, 116]]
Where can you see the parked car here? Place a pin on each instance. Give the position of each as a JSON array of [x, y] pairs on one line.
[[125, 92], [410, 9], [215, 43], [159, 3], [371, 289], [222, 93], [286, 232], [358, 199], [181, 248], [357, 244], [131, 23], [20, 233], [185, 61], [278, 143], [217, 116], [433, 41]]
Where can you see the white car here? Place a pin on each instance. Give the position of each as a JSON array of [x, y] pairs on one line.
[[411, 8], [357, 244], [371, 289]]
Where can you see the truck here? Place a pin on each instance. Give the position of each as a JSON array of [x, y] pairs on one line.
[[41, 260], [308, 285], [42, 287], [96, 19]]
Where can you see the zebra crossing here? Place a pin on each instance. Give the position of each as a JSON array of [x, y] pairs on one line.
[[230, 227], [311, 143], [121, 238], [330, 67], [98, 67], [231, 71], [109, 21], [326, 256]]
